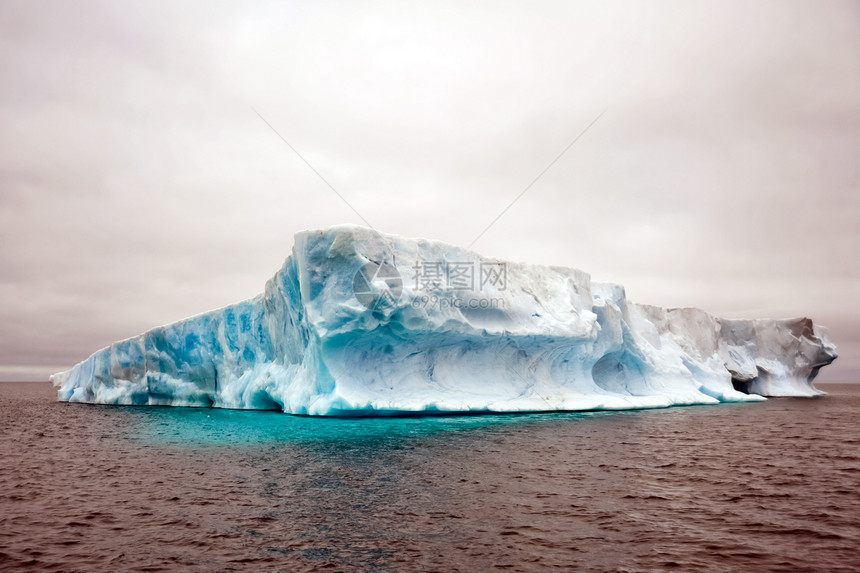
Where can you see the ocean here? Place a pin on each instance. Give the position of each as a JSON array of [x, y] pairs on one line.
[[771, 486]]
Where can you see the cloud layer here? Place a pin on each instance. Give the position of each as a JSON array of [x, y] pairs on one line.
[[138, 185]]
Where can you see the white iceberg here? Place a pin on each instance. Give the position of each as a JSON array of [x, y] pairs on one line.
[[363, 323]]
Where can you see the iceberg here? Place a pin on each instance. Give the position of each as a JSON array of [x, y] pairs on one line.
[[358, 322]]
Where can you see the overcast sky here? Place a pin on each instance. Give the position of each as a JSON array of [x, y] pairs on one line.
[[138, 186]]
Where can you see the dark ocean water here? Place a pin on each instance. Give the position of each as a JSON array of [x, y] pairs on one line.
[[770, 486]]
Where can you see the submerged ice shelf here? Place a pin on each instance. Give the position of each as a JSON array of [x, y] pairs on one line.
[[360, 322]]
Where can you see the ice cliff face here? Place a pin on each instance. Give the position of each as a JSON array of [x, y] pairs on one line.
[[359, 322]]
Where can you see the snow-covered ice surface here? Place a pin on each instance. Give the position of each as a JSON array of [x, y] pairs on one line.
[[363, 323]]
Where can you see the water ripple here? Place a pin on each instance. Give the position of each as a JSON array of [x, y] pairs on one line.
[[773, 486]]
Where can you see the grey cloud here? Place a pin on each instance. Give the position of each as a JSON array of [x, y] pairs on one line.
[[137, 185]]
